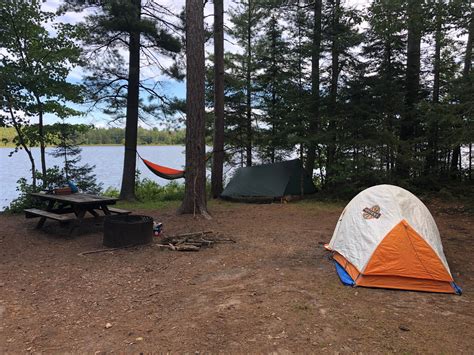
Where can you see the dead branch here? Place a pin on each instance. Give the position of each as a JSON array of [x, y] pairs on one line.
[[105, 250], [192, 241]]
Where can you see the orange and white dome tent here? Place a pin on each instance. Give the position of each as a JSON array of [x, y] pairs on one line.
[[386, 237]]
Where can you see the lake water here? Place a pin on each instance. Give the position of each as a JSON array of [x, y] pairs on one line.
[[108, 161]]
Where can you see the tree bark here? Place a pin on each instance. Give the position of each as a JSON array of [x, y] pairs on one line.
[[274, 72], [127, 191], [432, 158], [468, 55], [412, 92], [315, 95], [331, 149], [470, 161], [456, 156], [218, 148], [249, 86], [390, 115], [437, 58], [41, 140], [195, 184], [42, 149]]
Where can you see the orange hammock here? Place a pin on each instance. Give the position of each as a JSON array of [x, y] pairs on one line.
[[163, 171]]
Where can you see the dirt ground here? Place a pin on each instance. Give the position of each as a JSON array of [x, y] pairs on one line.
[[275, 290]]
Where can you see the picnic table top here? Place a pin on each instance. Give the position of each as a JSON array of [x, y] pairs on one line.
[[77, 198]]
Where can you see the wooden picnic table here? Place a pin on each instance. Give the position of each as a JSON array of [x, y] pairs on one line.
[[64, 208]]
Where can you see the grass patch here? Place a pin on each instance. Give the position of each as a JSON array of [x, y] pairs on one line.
[[147, 205]]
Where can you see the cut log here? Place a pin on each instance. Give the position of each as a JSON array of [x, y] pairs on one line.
[[184, 235], [182, 247], [187, 247]]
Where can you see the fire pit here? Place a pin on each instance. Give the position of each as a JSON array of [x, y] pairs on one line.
[[124, 230]]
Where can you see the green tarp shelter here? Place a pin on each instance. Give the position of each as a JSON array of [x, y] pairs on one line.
[[269, 181]]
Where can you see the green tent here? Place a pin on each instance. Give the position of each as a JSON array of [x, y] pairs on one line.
[[269, 181]]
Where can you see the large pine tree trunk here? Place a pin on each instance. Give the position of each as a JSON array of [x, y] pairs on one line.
[[248, 80], [315, 96], [456, 156], [412, 93], [390, 115], [470, 161], [195, 184], [432, 158], [218, 149], [455, 159], [273, 109], [331, 148], [127, 191]]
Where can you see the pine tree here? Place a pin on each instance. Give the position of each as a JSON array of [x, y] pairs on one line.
[[245, 17], [298, 93], [235, 107], [465, 88], [314, 119], [218, 146], [144, 30], [195, 183], [384, 50], [340, 37], [69, 151], [437, 115], [271, 87], [410, 118]]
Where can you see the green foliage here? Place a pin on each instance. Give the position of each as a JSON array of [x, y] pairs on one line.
[[34, 67], [24, 200], [148, 190], [106, 34], [269, 106], [69, 151], [35, 64], [363, 90], [103, 136], [279, 94], [53, 179], [66, 138]]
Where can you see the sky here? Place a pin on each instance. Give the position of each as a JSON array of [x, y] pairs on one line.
[[170, 87]]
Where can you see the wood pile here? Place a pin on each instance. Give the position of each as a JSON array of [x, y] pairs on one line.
[[192, 241]]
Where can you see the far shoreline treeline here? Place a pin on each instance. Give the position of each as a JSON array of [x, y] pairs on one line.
[[110, 136]]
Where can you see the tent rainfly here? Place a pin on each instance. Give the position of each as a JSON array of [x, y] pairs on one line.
[[269, 181], [387, 238]]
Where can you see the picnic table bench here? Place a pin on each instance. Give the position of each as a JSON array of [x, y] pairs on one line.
[[72, 207]]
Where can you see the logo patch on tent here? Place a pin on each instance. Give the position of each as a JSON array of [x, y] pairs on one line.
[[373, 212]]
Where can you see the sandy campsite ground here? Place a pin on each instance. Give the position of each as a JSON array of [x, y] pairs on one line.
[[273, 291]]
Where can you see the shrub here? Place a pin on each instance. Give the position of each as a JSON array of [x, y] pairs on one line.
[[148, 190], [24, 200]]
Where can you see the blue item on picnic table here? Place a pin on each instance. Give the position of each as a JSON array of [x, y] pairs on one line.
[[73, 187]]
